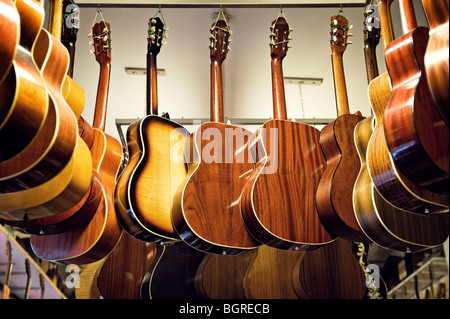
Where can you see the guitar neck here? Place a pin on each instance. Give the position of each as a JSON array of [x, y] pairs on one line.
[[216, 111], [55, 21], [102, 96], [152, 85], [340, 88], [278, 94], [408, 16], [371, 60], [387, 31]]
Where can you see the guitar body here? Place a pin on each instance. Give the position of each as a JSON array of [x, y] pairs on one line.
[[335, 190], [118, 278], [285, 180], [436, 64], [330, 272], [173, 276], [384, 224], [23, 93], [223, 277], [10, 35], [270, 275], [156, 178], [415, 131], [214, 224]]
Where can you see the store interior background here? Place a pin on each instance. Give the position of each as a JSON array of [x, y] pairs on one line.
[[183, 90]]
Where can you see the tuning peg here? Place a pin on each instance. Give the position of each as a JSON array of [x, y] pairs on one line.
[[349, 42], [335, 21], [153, 20], [369, 28], [92, 52], [231, 32], [229, 40], [291, 30], [335, 30], [212, 36], [289, 46], [165, 36], [164, 43], [229, 48], [349, 34], [152, 36], [105, 29], [335, 38], [91, 42], [153, 29], [350, 27], [167, 29], [90, 35]]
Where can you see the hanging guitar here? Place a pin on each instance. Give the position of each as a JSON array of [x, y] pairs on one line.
[[335, 190], [278, 202], [217, 164], [383, 223], [102, 232], [10, 35], [436, 64], [146, 186], [416, 134]]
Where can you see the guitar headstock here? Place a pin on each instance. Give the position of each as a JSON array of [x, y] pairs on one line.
[[101, 35], [279, 37], [339, 33], [372, 28], [219, 40], [156, 34]]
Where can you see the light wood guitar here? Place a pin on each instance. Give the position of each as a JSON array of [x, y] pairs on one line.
[[414, 130], [217, 163], [10, 35], [383, 223], [278, 202], [44, 181], [436, 64], [335, 190], [146, 186]]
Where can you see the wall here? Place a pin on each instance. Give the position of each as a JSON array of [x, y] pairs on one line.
[[184, 90]]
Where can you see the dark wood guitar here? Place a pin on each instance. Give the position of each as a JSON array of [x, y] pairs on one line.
[[156, 168], [383, 223], [414, 129], [391, 183], [217, 163], [278, 202], [23, 94], [335, 190], [102, 233], [10, 35], [436, 64]]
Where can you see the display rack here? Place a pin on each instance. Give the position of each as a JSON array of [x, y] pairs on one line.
[[429, 281], [41, 286]]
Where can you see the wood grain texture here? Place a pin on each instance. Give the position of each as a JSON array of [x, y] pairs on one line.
[[271, 274], [384, 224], [222, 277], [10, 35], [213, 223], [23, 94], [436, 63], [330, 272], [415, 131], [122, 274], [88, 281], [278, 205], [174, 274]]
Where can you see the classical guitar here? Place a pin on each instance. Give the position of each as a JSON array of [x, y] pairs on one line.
[[335, 190], [101, 234], [23, 95], [156, 168], [41, 180], [391, 183], [10, 35], [436, 65], [414, 129], [383, 223], [217, 164], [278, 202]]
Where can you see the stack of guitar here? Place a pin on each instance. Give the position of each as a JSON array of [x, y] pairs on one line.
[[223, 212]]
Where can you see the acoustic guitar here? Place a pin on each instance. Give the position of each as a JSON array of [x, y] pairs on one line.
[[146, 186], [41, 180], [10, 35], [23, 94], [383, 223], [278, 202], [414, 129], [436, 65], [217, 164], [335, 190], [97, 238]]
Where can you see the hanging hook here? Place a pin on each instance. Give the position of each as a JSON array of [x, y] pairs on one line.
[[159, 7]]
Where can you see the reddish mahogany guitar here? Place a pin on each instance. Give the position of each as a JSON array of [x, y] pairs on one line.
[[278, 202]]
